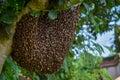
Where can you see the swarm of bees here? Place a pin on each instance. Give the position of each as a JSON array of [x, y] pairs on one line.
[[41, 44]]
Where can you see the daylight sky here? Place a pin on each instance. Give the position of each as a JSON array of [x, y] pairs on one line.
[[107, 39]]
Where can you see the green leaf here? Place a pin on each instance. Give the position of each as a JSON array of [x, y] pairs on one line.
[[10, 70], [7, 19], [35, 14], [52, 14], [87, 7], [2, 76], [66, 65], [104, 73]]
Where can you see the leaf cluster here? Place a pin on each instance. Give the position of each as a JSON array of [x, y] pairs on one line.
[[79, 64]]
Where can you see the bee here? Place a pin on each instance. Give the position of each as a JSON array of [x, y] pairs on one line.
[[41, 44]]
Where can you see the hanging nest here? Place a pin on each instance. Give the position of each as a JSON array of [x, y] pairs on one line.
[[41, 44]]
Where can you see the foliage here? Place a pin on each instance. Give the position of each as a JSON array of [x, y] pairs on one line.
[[79, 64], [11, 70], [105, 75], [52, 14], [9, 9], [98, 14], [117, 38], [86, 67], [95, 14]]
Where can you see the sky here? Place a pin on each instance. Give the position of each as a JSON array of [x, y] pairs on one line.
[[107, 39]]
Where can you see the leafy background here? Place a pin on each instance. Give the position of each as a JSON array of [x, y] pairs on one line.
[[80, 63]]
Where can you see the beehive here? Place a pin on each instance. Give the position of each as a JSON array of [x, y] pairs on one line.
[[41, 44]]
